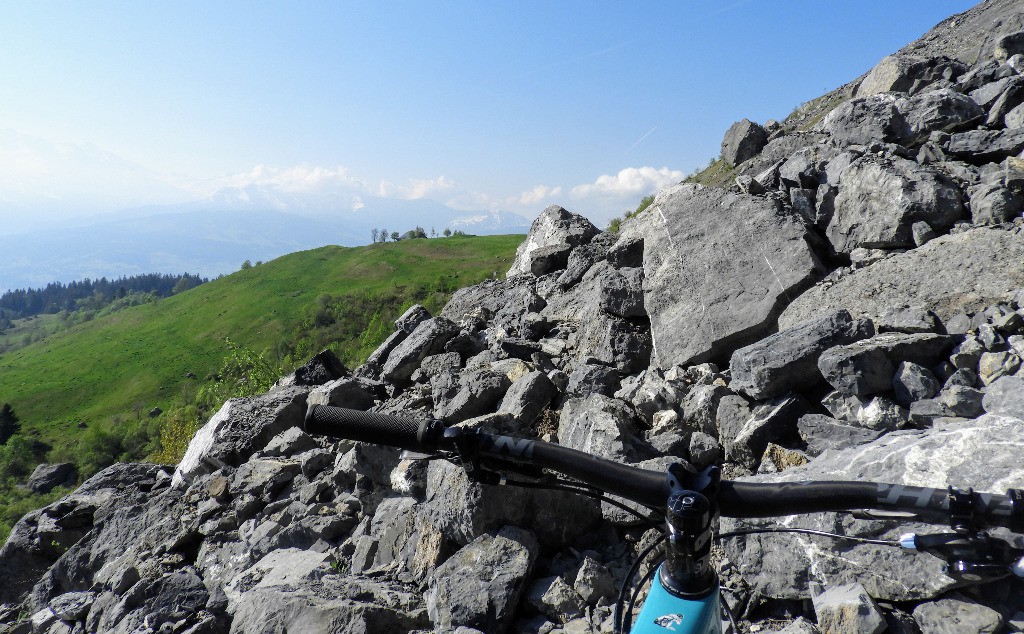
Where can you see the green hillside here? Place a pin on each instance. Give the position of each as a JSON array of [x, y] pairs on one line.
[[120, 366]]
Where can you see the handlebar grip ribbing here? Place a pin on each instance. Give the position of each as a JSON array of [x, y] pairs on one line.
[[371, 427]]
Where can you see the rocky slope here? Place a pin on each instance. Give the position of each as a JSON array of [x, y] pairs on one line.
[[851, 307]]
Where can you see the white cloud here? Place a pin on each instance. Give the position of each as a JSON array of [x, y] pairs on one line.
[[415, 188], [299, 178], [537, 194], [629, 181]]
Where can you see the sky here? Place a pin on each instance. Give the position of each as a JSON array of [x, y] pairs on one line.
[[478, 105]]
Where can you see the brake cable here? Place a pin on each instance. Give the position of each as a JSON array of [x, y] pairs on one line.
[[809, 531]]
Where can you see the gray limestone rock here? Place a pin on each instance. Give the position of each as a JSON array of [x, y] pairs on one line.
[[239, 428], [992, 366], [964, 401], [745, 436], [867, 120], [480, 585], [957, 614], [427, 339], [895, 73], [1005, 397], [913, 382], [478, 392], [412, 317], [495, 303], [528, 397], [981, 453], [580, 260], [553, 228], [594, 582], [704, 450], [590, 378], [324, 367], [333, 603], [650, 393], [945, 276], [463, 510], [621, 292], [705, 303], [992, 203], [601, 426], [290, 442], [378, 357], [555, 598], [1014, 118], [743, 140], [46, 477], [985, 146], [822, 433], [942, 110], [868, 366], [880, 199], [882, 414], [848, 609], [1009, 45], [350, 393], [700, 407], [788, 360]]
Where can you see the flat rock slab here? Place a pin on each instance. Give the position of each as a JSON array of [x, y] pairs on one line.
[[983, 453], [963, 272], [718, 268]]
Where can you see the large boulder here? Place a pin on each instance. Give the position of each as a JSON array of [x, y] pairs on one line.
[[981, 453], [552, 236], [904, 73], [963, 272], [943, 110], [867, 120], [788, 360], [46, 477], [480, 585], [880, 199], [718, 268], [743, 140]]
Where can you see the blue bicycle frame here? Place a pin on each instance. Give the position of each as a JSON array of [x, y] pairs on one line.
[[663, 612]]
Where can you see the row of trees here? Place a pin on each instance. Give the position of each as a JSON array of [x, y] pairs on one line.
[[382, 235], [55, 297]]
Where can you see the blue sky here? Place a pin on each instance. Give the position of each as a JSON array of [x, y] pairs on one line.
[[480, 105]]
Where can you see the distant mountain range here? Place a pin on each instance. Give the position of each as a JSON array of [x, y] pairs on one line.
[[215, 235]]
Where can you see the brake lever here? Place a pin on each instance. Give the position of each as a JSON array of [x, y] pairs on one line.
[[970, 557]]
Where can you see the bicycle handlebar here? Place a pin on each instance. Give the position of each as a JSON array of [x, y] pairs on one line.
[[736, 499]]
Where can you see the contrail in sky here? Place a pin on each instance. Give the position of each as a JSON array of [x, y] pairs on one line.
[[640, 140]]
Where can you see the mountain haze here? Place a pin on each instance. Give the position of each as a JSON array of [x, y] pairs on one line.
[[214, 235]]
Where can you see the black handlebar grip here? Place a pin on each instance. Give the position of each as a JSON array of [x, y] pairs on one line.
[[371, 427]]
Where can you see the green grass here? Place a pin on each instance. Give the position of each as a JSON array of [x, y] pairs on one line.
[[121, 365], [718, 173]]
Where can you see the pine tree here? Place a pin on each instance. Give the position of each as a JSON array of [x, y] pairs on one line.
[[8, 423]]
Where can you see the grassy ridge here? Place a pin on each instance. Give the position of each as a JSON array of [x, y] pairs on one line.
[[124, 364]]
